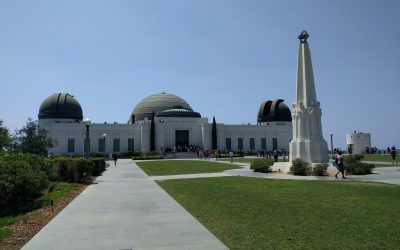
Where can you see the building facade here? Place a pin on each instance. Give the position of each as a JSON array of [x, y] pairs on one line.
[[358, 143], [177, 127]]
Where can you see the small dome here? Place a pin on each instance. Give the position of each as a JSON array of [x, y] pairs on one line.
[[157, 103], [274, 111], [178, 113], [62, 106]]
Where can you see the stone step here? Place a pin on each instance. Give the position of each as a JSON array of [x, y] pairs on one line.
[[186, 155]]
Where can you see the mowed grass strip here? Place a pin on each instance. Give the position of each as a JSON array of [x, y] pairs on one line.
[[251, 213], [168, 167], [382, 158]]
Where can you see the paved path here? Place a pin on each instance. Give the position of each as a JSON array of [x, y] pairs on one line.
[[390, 175], [125, 210]]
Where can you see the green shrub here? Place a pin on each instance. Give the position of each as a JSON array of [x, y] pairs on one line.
[[320, 169], [300, 167], [20, 185], [46, 165], [152, 155], [261, 165], [147, 158], [64, 166], [78, 169], [99, 166], [351, 159], [84, 169], [354, 166]]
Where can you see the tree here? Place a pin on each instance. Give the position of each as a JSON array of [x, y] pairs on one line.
[[5, 140], [33, 139], [214, 134], [152, 134]]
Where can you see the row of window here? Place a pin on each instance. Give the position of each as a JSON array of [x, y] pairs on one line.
[[228, 143], [101, 145], [131, 144]]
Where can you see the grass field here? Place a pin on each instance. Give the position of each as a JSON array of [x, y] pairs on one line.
[[251, 213], [383, 158], [5, 221], [58, 191], [156, 168]]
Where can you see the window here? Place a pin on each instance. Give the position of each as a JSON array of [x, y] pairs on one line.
[[252, 147], [116, 145], [71, 145], [131, 144], [263, 143], [240, 143], [101, 145], [274, 143], [228, 144]]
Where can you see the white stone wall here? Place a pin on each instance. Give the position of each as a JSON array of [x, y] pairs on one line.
[[199, 134], [359, 142]]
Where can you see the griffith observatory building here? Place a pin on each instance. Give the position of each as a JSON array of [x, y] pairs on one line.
[[177, 126]]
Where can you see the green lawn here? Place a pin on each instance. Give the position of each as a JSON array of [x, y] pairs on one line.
[[56, 192], [156, 168], [5, 221], [383, 158], [251, 213]]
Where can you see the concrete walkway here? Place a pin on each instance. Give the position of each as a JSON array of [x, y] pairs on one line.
[[125, 210], [390, 175]]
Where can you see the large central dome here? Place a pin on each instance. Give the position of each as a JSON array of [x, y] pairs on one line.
[[156, 103]]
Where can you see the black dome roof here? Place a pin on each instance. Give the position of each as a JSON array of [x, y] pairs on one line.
[[60, 105], [273, 111]]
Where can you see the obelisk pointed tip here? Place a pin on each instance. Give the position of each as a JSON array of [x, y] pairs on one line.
[[303, 36]]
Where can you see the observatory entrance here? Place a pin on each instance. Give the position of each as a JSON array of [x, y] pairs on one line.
[[181, 139]]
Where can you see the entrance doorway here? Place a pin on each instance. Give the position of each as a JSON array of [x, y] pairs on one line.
[[181, 139]]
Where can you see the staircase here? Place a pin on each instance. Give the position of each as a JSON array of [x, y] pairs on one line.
[[186, 155]]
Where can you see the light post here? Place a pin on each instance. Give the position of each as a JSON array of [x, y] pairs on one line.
[[87, 139], [104, 149], [202, 135], [331, 134], [141, 139]]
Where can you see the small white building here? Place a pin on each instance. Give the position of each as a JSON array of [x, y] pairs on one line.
[[358, 142], [176, 126]]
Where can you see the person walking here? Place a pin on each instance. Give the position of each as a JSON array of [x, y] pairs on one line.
[[393, 153], [231, 156], [276, 155], [340, 165], [115, 158]]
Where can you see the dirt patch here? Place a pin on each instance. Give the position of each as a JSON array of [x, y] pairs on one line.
[[33, 222]]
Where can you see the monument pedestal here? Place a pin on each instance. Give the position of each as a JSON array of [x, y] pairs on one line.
[[284, 167], [310, 150]]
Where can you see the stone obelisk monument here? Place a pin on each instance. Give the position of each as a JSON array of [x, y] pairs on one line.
[[308, 143]]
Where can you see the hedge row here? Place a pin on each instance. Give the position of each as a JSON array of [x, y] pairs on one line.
[[354, 166], [79, 169], [23, 177]]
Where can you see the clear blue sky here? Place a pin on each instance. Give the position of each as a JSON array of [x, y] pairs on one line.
[[223, 57]]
